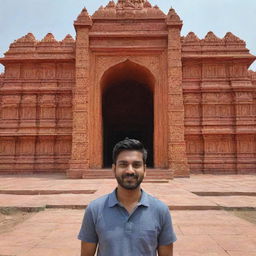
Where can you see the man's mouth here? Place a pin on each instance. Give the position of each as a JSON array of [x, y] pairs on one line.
[[130, 177]]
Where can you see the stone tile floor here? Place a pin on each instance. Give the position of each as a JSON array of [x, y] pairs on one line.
[[204, 231]]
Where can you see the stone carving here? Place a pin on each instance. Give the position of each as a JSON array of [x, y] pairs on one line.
[[191, 37], [27, 47], [194, 144], [230, 42], [132, 1], [192, 111], [26, 146], [111, 4], [65, 71], [212, 38], [229, 37], [84, 18], [48, 44], [221, 145], [29, 99], [7, 147], [2, 76], [147, 4], [49, 38], [30, 71], [237, 70], [128, 9], [45, 146], [252, 75], [246, 145], [105, 63], [214, 70], [63, 146], [68, 40], [172, 16], [29, 38], [79, 151], [192, 71]]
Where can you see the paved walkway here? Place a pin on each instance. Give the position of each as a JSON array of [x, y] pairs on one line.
[[197, 204]]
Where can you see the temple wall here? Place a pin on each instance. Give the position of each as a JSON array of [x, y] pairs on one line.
[[36, 114], [220, 109]]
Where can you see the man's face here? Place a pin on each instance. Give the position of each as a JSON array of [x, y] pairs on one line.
[[129, 169]]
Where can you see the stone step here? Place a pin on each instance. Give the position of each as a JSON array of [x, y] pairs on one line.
[[152, 174]]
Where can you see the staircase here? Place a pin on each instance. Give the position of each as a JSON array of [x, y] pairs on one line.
[[151, 174]]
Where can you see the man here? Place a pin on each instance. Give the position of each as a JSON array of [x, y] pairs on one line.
[[128, 221]]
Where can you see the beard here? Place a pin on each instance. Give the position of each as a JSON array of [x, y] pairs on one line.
[[129, 181]]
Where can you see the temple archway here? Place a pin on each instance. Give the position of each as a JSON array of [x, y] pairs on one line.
[[127, 108]]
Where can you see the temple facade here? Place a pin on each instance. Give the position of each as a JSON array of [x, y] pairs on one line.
[[128, 73]]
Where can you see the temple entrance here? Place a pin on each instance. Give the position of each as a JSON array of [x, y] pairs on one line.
[[128, 111]]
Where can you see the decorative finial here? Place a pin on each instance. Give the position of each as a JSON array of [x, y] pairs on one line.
[[229, 37], [211, 37], [173, 16], [191, 37], [84, 18], [49, 38], [68, 39]]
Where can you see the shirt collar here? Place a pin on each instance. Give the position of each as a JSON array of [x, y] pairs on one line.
[[112, 199]]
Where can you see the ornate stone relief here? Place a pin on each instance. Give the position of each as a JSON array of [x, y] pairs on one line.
[[211, 39], [28, 46], [191, 37], [129, 9], [231, 38], [173, 16], [68, 39], [49, 38], [83, 18]]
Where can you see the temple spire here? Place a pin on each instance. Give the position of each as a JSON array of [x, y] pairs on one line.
[[132, 1], [128, 9]]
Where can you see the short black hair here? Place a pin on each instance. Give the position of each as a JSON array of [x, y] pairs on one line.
[[129, 144]]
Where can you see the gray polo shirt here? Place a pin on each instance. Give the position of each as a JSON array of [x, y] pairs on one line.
[[117, 232]]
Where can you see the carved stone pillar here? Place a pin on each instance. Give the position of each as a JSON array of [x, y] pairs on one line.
[[245, 126], [80, 155], [177, 157]]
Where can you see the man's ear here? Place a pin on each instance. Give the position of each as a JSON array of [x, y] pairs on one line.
[[145, 168], [113, 167]]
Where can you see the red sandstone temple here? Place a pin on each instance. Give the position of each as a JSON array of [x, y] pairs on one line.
[[128, 73]]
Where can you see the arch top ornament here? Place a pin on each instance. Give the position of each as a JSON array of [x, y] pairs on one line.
[[128, 71], [105, 63]]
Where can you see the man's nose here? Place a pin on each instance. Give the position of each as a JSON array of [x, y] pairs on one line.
[[130, 168]]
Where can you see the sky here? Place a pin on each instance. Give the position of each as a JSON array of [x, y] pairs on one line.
[[19, 17]]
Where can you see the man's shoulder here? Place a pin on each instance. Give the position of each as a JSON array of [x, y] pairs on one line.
[[99, 202], [156, 203]]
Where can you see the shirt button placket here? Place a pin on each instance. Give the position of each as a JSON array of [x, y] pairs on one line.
[[128, 226]]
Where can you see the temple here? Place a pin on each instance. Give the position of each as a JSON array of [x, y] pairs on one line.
[[128, 73]]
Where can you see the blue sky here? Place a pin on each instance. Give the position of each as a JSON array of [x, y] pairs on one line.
[[17, 18]]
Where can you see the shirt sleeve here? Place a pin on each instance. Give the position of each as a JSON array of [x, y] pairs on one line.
[[87, 232], [167, 234]]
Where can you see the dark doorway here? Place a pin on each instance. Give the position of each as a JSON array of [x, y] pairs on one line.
[[128, 111]]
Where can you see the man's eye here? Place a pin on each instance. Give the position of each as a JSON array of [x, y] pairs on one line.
[[122, 164], [137, 165]]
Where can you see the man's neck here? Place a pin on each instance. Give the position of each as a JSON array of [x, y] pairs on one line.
[[128, 197]]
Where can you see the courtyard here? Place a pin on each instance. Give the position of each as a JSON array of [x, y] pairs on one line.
[[212, 215]]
